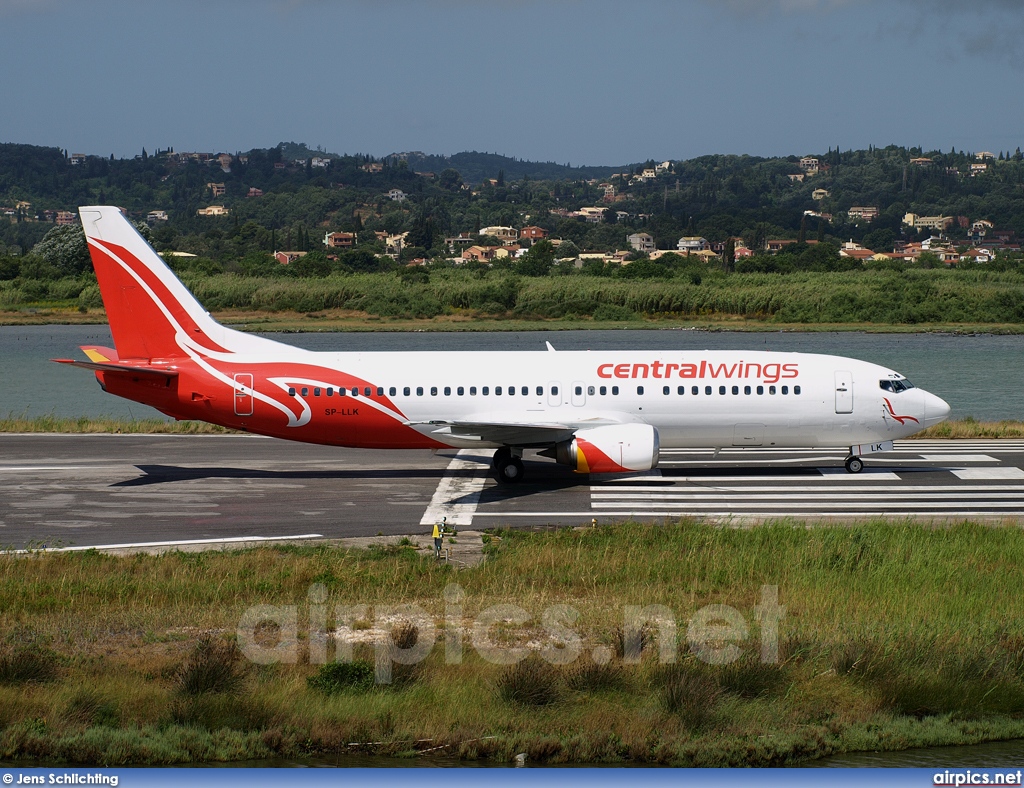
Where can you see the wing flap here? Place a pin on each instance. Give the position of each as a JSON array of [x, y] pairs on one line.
[[526, 434]]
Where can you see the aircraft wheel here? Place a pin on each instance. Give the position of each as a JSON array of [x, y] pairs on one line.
[[501, 455], [854, 464], [510, 471]]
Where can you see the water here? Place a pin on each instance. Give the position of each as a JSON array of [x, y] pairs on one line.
[[991, 755], [978, 375]]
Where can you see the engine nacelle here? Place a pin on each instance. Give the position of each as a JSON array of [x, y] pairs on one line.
[[612, 449]]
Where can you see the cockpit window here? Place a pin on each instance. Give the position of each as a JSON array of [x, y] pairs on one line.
[[895, 386]]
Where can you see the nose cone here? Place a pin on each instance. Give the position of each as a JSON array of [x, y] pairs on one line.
[[936, 409]]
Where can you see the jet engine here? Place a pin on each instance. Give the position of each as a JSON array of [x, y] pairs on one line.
[[611, 449]]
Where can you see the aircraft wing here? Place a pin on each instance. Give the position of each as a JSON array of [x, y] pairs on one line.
[[525, 434]]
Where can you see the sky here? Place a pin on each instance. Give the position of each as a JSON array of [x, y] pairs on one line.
[[595, 82]]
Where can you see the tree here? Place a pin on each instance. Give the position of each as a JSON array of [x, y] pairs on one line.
[[729, 254], [65, 248], [645, 268], [450, 180], [537, 261], [312, 264]]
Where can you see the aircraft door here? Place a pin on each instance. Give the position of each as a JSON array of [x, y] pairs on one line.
[[243, 393], [554, 394], [844, 392], [579, 394]]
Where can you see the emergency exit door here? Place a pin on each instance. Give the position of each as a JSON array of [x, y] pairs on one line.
[[243, 393], [844, 392]]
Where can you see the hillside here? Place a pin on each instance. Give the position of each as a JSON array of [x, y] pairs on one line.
[[289, 196]]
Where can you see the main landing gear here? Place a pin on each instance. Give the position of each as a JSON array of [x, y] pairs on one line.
[[854, 464], [508, 465]]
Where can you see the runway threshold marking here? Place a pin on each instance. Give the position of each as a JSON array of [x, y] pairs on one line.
[[175, 543], [458, 493]]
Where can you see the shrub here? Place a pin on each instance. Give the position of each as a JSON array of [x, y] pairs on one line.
[[213, 667], [749, 677], [690, 692], [335, 677], [531, 682], [89, 708], [28, 664], [587, 676]]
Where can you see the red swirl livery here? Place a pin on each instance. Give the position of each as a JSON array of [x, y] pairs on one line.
[[594, 411]]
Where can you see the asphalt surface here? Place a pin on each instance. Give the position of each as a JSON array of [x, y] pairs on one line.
[[84, 490]]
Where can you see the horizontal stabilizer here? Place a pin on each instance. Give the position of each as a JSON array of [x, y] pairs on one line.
[[115, 367]]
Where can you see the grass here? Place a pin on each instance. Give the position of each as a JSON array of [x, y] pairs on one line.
[[879, 300], [895, 634], [91, 425]]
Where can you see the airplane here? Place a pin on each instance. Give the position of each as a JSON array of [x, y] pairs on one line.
[[594, 411]]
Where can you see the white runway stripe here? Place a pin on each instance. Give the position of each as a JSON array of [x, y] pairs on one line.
[[873, 497], [700, 507], [892, 488], [458, 493], [228, 540], [729, 515]]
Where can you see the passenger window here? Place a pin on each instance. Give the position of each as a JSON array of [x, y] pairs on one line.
[[796, 389], [316, 391], [447, 391], [305, 391], [603, 390], [540, 391], [590, 390], [578, 390], [406, 391], [785, 389], [460, 391], [380, 391], [760, 389], [341, 391], [485, 390], [291, 391], [746, 389], [433, 391], [472, 391], [497, 391], [735, 390], [554, 390], [721, 389], [666, 390], [771, 389], [355, 391], [330, 391], [695, 391], [707, 390], [681, 390], [615, 391], [511, 391], [419, 391], [392, 391], [640, 390], [367, 392], [526, 391]]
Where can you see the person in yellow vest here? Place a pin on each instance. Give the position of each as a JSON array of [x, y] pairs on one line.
[[439, 536]]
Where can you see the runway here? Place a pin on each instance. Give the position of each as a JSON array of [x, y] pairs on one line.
[[101, 490]]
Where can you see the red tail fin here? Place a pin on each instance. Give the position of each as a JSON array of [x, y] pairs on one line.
[[151, 313]]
